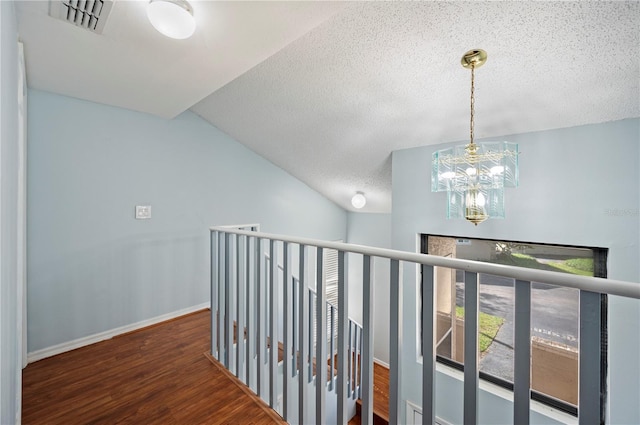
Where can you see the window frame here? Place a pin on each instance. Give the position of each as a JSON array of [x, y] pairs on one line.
[[599, 270]]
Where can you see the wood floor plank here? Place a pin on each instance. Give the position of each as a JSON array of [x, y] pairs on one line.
[[156, 375]]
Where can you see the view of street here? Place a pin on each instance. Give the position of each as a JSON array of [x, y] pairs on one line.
[[554, 317]]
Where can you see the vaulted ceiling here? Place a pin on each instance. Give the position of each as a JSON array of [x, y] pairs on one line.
[[327, 90]]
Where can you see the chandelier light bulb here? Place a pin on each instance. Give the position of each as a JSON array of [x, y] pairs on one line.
[[498, 169], [358, 201], [475, 210], [173, 18]]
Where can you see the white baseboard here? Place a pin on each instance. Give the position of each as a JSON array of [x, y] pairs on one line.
[[381, 363], [413, 409], [92, 339]]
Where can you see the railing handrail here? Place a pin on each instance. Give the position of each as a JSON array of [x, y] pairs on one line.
[[584, 283], [241, 226]]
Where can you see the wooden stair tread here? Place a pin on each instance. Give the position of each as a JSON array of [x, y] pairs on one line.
[[380, 397], [281, 352], [380, 381]]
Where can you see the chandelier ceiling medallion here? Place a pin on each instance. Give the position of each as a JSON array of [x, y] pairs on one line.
[[475, 175]]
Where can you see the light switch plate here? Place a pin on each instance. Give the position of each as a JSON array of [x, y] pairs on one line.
[[143, 212]]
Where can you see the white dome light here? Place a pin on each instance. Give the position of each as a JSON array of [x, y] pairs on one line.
[[358, 201], [173, 18]]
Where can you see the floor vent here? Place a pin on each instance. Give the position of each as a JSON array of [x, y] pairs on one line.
[[88, 14]]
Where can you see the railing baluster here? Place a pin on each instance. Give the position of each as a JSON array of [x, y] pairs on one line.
[[273, 327], [589, 397], [222, 255], [240, 285], [311, 332], [303, 337], [349, 350], [260, 321], [343, 335], [295, 325], [367, 349], [522, 353], [286, 311], [471, 379], [233, 310], [251, 282], [321, 340], [332, 349], [361, 342], [228, 279], [213, 236], [395, 343], [356, 341], [428, 345]]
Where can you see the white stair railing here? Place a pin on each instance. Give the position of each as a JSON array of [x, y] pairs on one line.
[[243, 291]]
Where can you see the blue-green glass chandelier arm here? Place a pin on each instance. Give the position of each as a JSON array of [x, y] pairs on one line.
[[481, 177]]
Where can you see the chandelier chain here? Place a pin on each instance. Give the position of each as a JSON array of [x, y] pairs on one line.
[[472, 103]]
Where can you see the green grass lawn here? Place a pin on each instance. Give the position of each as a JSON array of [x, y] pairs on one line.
[[579, 266], [489, 326], [564, 267]]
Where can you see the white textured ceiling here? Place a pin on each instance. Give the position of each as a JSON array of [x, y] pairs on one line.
[[133, 66], [328, 90]]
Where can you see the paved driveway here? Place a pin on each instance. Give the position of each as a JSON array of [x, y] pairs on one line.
[[554, 317]]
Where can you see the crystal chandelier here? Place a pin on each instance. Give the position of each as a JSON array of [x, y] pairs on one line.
[[474, 176]]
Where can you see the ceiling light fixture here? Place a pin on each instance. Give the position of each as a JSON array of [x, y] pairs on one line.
[[475, 175], [358, 201], [173, 18]]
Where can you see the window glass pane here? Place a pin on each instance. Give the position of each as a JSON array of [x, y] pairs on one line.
[[554, 314]]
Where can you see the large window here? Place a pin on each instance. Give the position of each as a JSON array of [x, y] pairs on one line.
[[554, 313]]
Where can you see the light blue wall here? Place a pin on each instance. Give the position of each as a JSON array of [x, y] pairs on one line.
[[10, 349], [371, 230], [578, 186], [92, 266]]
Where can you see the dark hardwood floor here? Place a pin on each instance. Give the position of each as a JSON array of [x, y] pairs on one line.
[[156, 375]]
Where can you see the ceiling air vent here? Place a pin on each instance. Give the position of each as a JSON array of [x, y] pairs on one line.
[[88, 14]]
